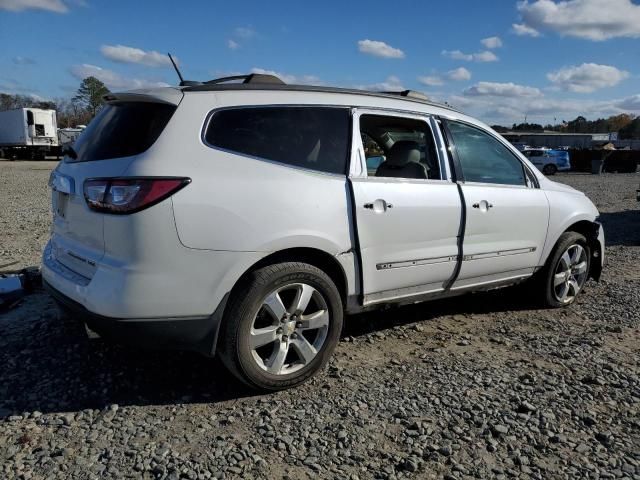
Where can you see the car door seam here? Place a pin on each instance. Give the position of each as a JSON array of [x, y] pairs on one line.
[[454, 163]]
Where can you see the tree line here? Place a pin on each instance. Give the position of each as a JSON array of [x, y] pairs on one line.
[[627, 126], [71, 112]]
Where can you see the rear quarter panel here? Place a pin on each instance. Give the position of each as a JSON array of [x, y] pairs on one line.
[[241, 203]]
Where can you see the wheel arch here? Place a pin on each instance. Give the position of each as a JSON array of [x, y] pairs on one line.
[[326, 262], [590, 230], [318, 258]]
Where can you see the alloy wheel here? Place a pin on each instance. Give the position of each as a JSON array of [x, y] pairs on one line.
[[570, 273], [289, 328]]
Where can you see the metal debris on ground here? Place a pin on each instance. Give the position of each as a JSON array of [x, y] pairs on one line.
[[15, 285]]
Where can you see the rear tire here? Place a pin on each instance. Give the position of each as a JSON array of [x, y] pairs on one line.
[[281, 326], [550, 169], [566, 271]]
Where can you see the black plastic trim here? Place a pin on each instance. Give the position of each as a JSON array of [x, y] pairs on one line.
[[254, 78], [356, 240], [595, 270], [197, 334], [460, 240], [454, 161]]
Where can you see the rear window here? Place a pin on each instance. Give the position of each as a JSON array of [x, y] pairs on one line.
[[122, 130], [308, 137]]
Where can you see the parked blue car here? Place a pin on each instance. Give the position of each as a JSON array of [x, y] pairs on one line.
[[548, 161]]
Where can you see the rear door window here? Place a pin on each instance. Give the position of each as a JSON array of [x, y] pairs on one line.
[[399, 147], [309, 137], [122, 130]]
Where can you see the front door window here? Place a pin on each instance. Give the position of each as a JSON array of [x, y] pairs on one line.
[[484, 159]]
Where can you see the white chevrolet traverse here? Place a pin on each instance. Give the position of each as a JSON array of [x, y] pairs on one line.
[[243, 219]]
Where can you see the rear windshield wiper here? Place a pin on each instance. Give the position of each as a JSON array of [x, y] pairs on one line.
[[70, 152]]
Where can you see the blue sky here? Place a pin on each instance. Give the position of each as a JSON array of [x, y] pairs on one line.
[[498, 60]]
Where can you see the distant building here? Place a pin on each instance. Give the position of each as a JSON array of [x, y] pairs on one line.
[[558, 139]]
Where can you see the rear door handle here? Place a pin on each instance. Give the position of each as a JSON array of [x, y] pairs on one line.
[[484, 205], [379, 205]]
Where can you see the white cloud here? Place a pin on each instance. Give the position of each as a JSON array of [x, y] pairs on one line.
[[587, 77], [494, 89], [13, 86], [485, 56], [112, 79], [524, 30], [23, 60], [391, 84], [431, 80], [457, 55], [491, 42], [290, 79], [244, 33], [540, 109], [124, 54], [379, 49], [459, 74], [509, 109], [631, 103], [241, 35], [591, 19], [57, 6], [456, 75]]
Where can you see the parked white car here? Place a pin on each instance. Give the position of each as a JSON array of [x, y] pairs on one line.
[[241, 219]]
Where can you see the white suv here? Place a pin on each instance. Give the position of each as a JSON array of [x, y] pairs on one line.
[[242, 219]]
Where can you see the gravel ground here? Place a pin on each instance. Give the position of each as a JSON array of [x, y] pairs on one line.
[[481, 386]]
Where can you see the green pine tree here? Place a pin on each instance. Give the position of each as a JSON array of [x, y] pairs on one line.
[[90, 95]]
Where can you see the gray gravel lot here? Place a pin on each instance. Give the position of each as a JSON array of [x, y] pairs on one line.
[[481, 386]]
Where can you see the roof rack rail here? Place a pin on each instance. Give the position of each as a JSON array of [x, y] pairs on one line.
[[251, 78], [409, 94]]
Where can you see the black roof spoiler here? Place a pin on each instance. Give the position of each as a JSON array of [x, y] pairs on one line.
[[248, 79], [409, 94], [251, 78]]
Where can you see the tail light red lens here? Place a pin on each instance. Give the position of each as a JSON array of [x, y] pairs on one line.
[[129, 195]]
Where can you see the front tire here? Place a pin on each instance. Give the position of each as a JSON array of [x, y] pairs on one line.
[[550, 169], [282, 326], [566, 271]]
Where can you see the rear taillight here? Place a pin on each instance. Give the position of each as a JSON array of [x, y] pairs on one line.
[[129, 195]]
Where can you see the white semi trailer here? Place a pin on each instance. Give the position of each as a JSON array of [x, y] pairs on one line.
[[29, 133]]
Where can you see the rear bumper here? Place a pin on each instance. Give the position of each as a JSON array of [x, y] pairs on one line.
[[184, 333]]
